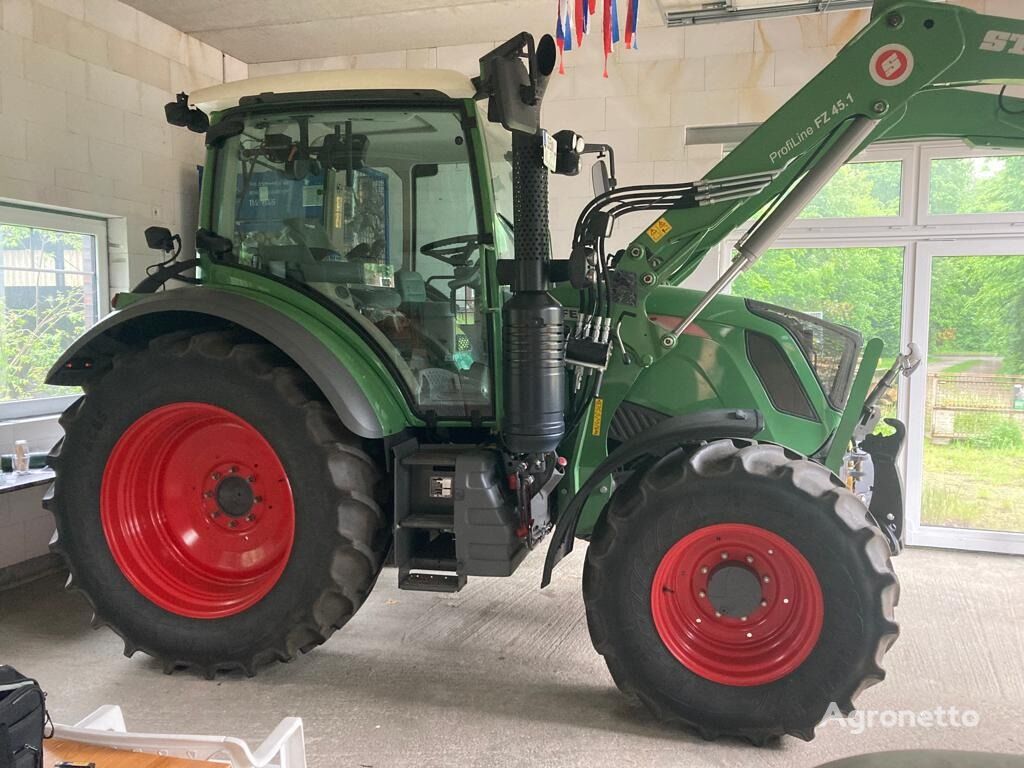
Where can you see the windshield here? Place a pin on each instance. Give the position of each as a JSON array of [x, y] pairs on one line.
[[375, 210]]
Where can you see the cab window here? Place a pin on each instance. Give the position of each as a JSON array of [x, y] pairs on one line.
[[374, 210]]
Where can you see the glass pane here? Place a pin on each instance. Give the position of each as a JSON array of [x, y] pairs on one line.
[[974, 417], [48, 297], [859, 190], [374, 209], [964, 185], [860, 288]]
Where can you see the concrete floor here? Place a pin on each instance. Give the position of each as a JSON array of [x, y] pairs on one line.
[[502, 674]]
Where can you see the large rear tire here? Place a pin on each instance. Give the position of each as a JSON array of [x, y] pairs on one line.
[[212, 508], [740, 590]]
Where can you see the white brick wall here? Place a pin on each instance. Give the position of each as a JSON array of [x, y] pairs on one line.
[[82, 89], [706, 75]]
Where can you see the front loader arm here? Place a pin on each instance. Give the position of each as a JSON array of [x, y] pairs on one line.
[[901, 77], [904, 72]]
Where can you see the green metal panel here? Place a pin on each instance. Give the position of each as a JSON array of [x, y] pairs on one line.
[[707, 369], [373, 376]]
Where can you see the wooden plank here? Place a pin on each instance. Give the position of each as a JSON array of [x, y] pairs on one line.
[[60, 750]]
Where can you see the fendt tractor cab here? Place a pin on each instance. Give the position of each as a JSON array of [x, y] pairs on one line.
[[378, 354]]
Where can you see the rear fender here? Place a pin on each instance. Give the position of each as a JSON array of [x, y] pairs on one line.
[[362, 399]]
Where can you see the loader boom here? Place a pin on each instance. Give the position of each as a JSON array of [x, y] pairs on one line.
[[904, 76], [905, 72]]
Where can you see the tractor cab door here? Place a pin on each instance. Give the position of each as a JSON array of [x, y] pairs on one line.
[[375, 210]]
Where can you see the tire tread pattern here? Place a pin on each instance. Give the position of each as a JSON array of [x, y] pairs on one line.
[[354, 477], [768, 461]]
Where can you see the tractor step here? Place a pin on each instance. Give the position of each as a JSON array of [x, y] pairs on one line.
[[430, 521], [433, 582], [454, 516]]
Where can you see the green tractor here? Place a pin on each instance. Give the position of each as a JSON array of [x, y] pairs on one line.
[[379, 355]]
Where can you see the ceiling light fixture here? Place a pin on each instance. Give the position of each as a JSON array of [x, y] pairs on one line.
[[683, 13]]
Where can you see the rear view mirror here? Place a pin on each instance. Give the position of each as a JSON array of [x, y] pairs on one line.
[[178, 113], [161, 239], [601, 180]]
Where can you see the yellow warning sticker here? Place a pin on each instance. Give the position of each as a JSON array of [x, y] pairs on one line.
[[659, 229], [595, 429]]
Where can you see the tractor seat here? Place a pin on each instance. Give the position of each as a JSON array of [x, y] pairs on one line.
[[434, 319]]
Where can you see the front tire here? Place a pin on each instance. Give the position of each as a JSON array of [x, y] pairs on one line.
[[740, 590], [212, 508]]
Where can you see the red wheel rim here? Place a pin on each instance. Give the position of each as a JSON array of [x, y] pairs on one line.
[[197, 510], [771, 640]]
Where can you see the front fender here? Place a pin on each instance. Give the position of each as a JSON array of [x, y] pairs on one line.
[[363, 402], [671, 433]]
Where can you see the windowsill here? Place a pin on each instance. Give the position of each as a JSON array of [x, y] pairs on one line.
[[29, 420]]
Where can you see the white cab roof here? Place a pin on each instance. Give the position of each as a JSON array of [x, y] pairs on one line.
[[218, 97]]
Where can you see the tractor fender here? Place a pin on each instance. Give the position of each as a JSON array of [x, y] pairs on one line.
[[666, 435], [170, 310]]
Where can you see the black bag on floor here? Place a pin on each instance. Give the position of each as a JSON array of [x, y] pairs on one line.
[[23, 720]]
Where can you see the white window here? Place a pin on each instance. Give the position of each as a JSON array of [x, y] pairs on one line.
[[52, 288], [924, 242]]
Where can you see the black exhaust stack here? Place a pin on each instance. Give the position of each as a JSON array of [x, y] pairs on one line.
[[513, 78]]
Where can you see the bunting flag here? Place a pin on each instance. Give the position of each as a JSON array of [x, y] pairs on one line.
[[607, 33], [560, 37], [567, 26], [631, 17], [575, 18]]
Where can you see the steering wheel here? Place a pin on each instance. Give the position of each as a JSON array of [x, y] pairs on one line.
[[453, 251]]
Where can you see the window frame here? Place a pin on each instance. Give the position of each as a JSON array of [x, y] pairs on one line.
[[26, 216], [885, 153], [944, 150]]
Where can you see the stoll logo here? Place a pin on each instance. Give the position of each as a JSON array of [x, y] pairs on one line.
[[1003, 42], [861, 720], [892, 64]]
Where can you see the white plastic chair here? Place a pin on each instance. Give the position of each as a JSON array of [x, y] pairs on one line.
[[285, 747]]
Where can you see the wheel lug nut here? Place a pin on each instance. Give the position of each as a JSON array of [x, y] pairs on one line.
[[215, 476], [701, 594], [257, 499], [698, 620], [208, 494], [233, 470], [250, 518], [771, 551], [764, 603], [704, 569], [718, 614], [233, 524], [766, 579], [251, 478], [785, 600], [750, 634], [743, 618], [750, 558]]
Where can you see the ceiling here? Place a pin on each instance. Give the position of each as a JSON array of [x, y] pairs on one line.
[[257, 31]]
